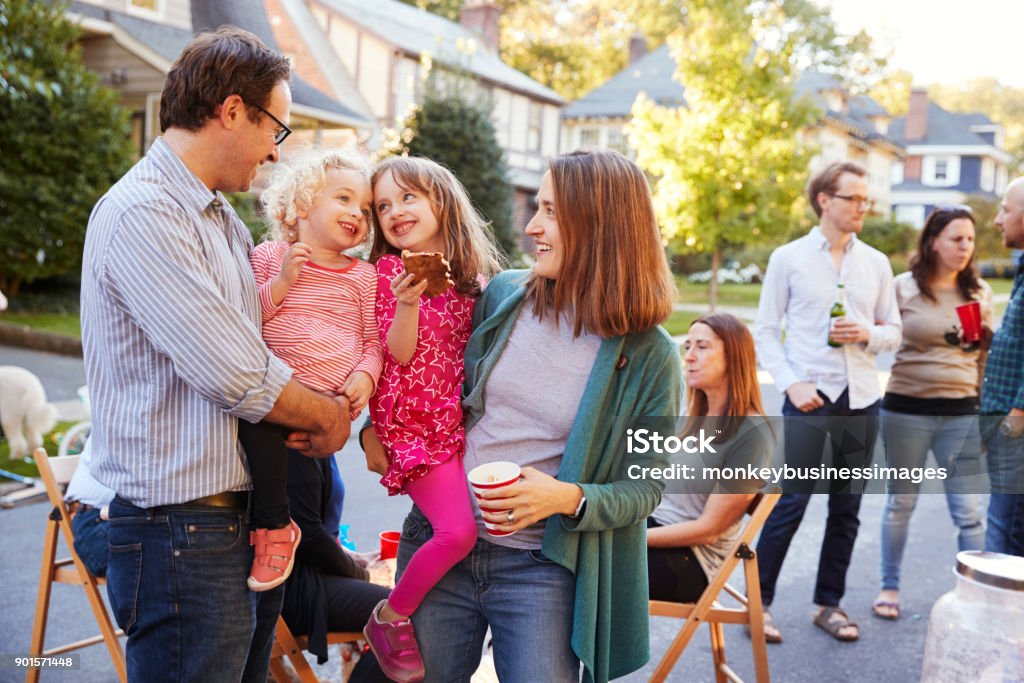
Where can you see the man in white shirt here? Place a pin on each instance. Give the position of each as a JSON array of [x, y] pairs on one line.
[[832, 387]]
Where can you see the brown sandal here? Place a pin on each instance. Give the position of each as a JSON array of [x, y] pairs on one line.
[[771, 631], [832, 627]]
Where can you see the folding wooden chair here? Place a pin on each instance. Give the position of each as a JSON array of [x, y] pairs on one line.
[[67, 570], [708, 609], [287, 645]]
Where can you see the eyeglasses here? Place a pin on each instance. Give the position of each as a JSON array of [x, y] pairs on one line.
[[284, 131], [860, 202]]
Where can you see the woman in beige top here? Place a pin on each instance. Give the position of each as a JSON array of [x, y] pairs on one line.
[[931, 402]]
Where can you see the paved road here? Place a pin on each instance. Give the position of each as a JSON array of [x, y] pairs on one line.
[[887, 652]]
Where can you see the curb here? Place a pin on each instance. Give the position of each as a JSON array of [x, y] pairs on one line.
[[25, 337]]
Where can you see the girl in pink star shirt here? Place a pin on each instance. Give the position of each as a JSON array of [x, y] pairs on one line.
[[416, 412]]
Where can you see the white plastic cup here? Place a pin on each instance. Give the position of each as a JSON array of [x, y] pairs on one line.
[[490, 476]]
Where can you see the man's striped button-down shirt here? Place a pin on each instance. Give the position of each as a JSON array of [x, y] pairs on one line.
[[171, 334]]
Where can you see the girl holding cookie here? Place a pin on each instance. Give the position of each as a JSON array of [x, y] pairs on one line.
[[424, 211]]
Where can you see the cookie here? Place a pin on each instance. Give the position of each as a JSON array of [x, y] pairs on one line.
[[431, 266]]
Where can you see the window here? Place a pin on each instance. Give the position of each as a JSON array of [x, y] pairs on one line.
[[988, 175], [590, 137], [897, 173], [533, 135], [940, 171], [617, 141], [145, 5]]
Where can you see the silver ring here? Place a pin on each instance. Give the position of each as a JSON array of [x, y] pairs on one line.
[[511, 517]]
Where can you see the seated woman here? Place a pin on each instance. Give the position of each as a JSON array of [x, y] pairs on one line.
[[328, 590], [690, 532]]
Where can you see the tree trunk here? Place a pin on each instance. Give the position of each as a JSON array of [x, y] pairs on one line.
[[10, 285], [716, 263]]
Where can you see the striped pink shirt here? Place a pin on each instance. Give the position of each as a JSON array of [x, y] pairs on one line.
[[326, 327]]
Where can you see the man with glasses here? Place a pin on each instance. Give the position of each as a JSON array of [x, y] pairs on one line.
[[1002, 396], [827, 374], [174, 359]]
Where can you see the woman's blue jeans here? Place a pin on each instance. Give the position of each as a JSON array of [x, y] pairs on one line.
[[956, 443], [176, 582], [525, 598]]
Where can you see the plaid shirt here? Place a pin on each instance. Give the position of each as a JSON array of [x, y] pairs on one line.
[[1003, 388]]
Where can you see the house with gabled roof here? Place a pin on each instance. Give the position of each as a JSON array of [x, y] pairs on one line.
[[950, 156], [356, 67], [131, 44], [850, 127], [379, 46]]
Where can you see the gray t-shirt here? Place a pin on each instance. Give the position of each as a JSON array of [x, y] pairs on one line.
[[532, 396], [685, 501]]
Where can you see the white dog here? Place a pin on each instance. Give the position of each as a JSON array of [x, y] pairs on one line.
[[24, 413]]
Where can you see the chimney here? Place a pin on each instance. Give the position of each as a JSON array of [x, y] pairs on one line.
[[481, 17], [637, 47], [917, 116]]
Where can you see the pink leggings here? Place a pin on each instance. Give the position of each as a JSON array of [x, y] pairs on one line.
[[442, 495]]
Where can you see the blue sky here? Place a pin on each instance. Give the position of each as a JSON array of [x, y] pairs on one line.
[[946, 41]]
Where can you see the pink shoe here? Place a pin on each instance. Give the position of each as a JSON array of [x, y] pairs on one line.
[[275, 556], [394, 644]]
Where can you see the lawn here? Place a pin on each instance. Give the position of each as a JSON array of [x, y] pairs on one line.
[[729, 294], [19, 466], [60, 323], [679, 322]]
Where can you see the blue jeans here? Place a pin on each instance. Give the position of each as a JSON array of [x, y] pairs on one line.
[[91, 540], [956, 443], [176, 582], [1006, 506], [524, 597], [852, 445]]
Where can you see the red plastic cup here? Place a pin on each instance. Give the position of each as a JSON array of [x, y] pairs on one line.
[[490, 476], [389, 544], [970, 321]]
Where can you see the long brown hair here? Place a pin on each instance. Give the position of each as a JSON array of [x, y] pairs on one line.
[[744, 395], [614, 279], [468, 243], [924, 262]]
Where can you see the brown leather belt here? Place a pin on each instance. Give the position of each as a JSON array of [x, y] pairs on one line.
[[228, 499]]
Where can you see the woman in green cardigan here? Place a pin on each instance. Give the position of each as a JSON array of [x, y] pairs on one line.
[[563, 359]]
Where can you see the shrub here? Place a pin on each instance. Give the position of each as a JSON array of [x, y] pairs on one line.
[[64, 140]]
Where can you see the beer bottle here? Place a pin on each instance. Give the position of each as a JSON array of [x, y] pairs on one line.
[[837, 313]]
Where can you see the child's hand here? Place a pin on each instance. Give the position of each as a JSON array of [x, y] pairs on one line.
[[405, 291], [295, 258], [357, 389]]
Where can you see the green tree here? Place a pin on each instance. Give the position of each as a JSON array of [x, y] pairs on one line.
[[449, 9], [457, 132], [63, 139], [573, 47], [892, 91], [988, 240], [729, 167], [1004, 104]]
